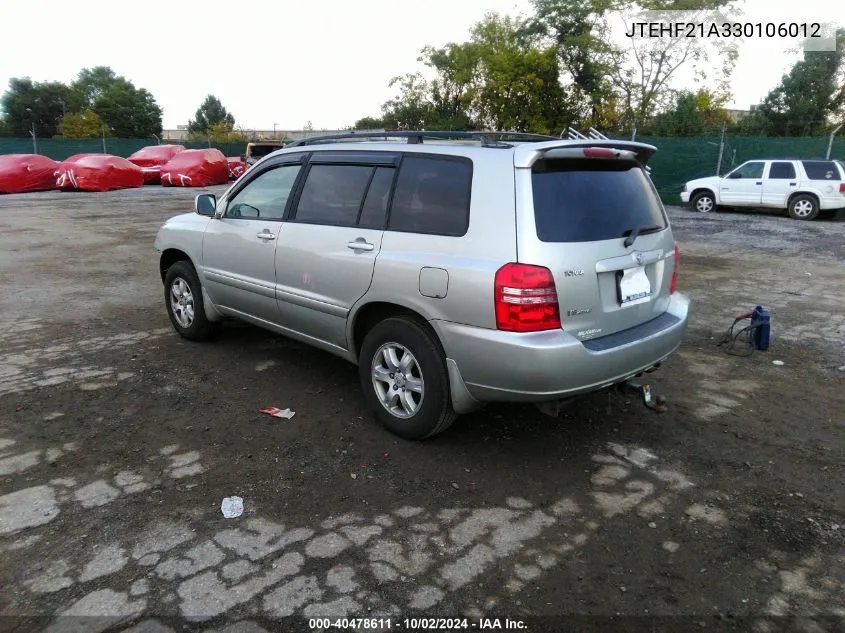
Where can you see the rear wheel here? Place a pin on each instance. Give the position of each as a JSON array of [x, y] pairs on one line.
[[803, 207], [183, 298], [703, 202], [403, 375]]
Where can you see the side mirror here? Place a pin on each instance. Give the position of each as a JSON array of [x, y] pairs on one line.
[[205, 204], [735, 175]]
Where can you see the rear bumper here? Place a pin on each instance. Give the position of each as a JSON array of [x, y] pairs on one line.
[[497, 366], [685, 197]]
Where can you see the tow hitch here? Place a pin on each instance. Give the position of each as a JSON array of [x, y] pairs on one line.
[[655, 403]]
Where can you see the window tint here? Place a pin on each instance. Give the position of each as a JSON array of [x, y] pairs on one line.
[[820, 170], [266, 197], [374, 211], [782, 171], [750, 170], [333, 194], [588, 200], [432, 196]]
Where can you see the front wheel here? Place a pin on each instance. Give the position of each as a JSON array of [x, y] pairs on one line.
[[403, 375], [703, 202], [803, 207], [183, 298]]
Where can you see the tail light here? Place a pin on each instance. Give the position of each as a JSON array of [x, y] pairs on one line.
[[685, 189], [526, 299], [673, 286], [842, 187]]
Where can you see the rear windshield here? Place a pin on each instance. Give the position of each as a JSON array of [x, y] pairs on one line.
[[260, 151], [589, 200]]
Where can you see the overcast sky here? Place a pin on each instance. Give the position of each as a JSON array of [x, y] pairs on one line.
[[286, 62]]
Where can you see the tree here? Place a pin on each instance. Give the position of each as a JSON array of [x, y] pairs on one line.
[[5, 130], [91, 83], [369, 123], [208, 114], [579, 31], [44, 104], [643, 71], [810, 97], [693, 114], [86, 124], [223, 132], [129, 111]]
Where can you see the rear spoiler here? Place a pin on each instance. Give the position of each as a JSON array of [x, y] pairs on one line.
[[528, 154]]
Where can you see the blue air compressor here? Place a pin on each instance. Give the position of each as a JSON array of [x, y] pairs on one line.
[[757, 333]]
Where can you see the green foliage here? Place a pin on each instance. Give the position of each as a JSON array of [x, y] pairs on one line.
[[130, 112], [44, 104], [368, 123], [86, 124], [5, 130], [693, 114], [210, 113], [809, 98], [497, 79]]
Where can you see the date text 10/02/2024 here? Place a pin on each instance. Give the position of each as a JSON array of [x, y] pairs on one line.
[[724, 30], [415, 624]]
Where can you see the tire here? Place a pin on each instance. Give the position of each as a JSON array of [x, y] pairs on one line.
[[183, 299], [408, 416], [703, 202], [803, 207]]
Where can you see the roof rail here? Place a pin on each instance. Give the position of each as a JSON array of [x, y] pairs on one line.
[[487, 138]]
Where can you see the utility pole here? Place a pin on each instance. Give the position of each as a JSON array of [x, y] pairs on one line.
[[634, 131], [830, 142], [721, 150], [103, 132], [274, 130]]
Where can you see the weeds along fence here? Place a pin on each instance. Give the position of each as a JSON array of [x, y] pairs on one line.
[[677, 160]]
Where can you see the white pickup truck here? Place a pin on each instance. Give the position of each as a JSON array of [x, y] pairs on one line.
[[806, 189]]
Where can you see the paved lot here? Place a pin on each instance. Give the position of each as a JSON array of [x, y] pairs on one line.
[[118, 441]]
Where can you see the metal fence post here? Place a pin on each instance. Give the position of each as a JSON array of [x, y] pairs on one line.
[[721, 151], [830, 142]]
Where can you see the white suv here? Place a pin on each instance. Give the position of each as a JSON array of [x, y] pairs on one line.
[[807, 189]]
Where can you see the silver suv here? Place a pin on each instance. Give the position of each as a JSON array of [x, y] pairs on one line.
[[455, 269]]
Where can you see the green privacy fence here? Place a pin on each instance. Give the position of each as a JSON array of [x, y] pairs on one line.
[[59, 149], [677, 160]]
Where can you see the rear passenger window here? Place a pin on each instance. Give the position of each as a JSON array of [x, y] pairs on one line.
[[592, 200], [374, 211], [432, 196], [820, 170], [333, 194], [782, 171]]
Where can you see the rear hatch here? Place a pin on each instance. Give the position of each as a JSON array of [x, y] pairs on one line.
[[592, 217]]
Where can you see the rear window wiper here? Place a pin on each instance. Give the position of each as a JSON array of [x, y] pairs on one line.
[[637, 231]]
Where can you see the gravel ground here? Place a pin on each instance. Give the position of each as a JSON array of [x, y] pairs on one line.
[[119, 440]]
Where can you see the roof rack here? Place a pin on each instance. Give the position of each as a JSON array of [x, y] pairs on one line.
[[592, 133], [487, 139]]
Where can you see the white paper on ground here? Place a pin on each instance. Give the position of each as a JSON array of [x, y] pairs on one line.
[[232, 507]]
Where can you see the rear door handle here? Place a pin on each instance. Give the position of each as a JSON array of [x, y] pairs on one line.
[[793, 184], [360, 245], [266, 235]]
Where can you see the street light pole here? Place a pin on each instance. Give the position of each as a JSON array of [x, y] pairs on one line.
[[274, 130], [34, 140]]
